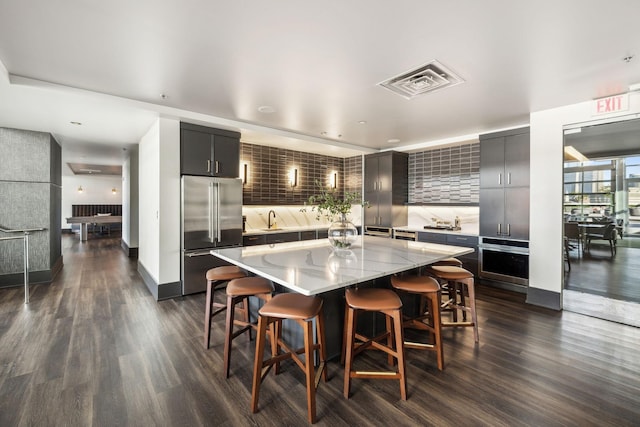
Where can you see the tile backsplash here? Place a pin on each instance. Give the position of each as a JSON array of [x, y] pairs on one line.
[[269, 168], [448, 175]]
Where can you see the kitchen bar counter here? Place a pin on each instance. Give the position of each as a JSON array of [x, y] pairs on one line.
[[312, 267]]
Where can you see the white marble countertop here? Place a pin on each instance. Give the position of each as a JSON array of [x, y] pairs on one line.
[[311, 267]]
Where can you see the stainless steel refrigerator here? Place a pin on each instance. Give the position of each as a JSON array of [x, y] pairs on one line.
[[211, 218]]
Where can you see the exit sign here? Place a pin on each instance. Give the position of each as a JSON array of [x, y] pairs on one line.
[[611, 104]]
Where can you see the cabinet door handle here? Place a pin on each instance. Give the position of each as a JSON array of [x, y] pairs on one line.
[[508, 229], [217, 167], [509, 178], [499, 229], [208, 166], [375, 185], [499, 179]]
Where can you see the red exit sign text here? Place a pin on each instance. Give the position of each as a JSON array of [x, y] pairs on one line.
[[611, 104]]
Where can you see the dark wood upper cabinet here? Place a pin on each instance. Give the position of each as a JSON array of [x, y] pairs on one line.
[[385, 188], [504, 184], [504, 159], [209, 152]]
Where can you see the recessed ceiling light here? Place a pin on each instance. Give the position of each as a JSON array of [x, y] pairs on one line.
[[266, 109], [76, 123], [362, 122], [393, 140]]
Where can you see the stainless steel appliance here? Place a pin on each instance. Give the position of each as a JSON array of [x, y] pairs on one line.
[[211, 217], [378, 231], [405, 235], [505, 261]]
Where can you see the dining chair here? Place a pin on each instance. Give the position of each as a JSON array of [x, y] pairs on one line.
[[608, 233], [573, 235]]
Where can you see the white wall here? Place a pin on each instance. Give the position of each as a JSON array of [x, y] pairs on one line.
[[159, 201], [546, 266], [169, 201], [96, 191]]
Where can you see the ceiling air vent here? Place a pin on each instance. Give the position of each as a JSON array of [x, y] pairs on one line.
[[427, 78]]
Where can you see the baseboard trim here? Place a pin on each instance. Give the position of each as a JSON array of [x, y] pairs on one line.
[[35, 277], [544, 298], [159, 291], [130, 252]]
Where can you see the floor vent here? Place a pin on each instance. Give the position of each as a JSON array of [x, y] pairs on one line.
[[427, 78]]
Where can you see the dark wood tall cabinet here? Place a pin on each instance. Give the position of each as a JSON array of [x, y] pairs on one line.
[[504, 184], [207, 151], [386, 189]]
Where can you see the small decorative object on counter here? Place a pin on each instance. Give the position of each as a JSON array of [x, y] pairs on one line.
[[457, 223], [330, 204], [342, 233]]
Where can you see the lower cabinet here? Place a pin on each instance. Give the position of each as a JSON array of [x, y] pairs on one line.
[[281, 237], [469, 261], [254, 239]]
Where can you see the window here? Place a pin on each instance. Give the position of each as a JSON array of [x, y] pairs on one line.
[[589, 187]]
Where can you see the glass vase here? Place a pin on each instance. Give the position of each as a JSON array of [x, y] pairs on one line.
[[342, 233]]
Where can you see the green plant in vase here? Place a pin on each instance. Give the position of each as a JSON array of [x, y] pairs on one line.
[[335, 207]]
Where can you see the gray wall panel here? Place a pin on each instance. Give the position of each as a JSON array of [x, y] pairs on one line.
[[25, 155]]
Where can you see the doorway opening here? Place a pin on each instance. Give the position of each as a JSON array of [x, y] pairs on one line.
[[601, 212]]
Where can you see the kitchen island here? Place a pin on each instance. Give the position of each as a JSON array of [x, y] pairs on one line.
[[313, 268]]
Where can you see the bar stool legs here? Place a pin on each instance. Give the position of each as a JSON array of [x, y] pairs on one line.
[[387, 302], [303, 310], [428, 289], [459, 280], [239, 290], [216, 279]]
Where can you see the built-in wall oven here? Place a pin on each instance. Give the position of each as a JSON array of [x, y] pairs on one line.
[[504, 260]]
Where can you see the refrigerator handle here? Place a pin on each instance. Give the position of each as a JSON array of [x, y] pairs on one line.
[[217, 216], [210, 222]]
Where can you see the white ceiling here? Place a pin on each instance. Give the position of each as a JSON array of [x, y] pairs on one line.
[[106, 64]]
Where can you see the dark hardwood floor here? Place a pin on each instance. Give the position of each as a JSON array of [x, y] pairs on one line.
[[597, 272], [94, 348]]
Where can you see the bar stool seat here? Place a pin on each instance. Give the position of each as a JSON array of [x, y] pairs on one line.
[[239, 290], [302, 310], [428, 289], [449, 261], [217, 279], [384, 301], [455, 276]]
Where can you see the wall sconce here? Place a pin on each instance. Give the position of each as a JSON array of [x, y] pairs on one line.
[[244, 173], [80, 190], [113, 190], [333, 179], [293, 177]]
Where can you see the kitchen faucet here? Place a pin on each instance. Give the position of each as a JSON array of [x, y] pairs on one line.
[[269, 218]]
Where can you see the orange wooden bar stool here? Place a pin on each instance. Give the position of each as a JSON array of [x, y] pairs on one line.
[[428, 289], [458, 279], [303, 310], [449, 261], [217, 278], [239, 290], [384, 301]]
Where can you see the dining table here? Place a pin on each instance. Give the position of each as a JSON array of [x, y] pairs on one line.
[[314, 267]]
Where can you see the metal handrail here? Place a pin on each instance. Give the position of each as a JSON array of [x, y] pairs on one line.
[[25, 238]]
